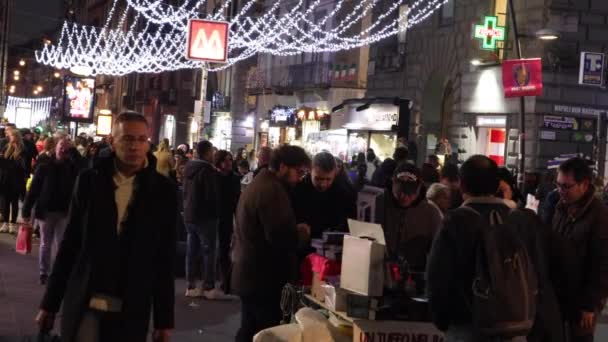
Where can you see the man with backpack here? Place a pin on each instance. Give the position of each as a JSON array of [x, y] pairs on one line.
[[579, 250], [486, 267]]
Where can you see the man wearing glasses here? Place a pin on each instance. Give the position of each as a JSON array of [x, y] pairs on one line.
[[265, 240], [579, 249]]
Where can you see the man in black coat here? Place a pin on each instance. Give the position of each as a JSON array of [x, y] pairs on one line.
[[115, 264], [579, 250], [51, 190], [322, 203]]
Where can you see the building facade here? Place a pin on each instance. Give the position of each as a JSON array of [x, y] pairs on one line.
[[285, 99], [457, 91], [6, 7]]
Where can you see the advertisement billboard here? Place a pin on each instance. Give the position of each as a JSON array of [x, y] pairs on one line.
[[79, 94]]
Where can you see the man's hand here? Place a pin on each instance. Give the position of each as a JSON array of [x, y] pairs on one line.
[[161, 335], [587, 319], [45, 320], [303, 232]]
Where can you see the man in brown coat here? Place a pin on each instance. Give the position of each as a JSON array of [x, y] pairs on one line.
[[265, 240], [579, 250]]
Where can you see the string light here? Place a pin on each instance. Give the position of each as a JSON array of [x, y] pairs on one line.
[[40, 109], [156, 38]]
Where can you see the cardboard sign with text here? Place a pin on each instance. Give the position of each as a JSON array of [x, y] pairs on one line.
[[522, 77], [395, 331]]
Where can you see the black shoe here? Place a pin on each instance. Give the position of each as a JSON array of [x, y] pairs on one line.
[[43, 279]]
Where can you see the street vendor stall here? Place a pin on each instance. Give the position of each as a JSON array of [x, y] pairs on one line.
[[365, 297], [377, 123]]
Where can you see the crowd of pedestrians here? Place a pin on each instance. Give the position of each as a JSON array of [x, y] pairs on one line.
[[113, 212]]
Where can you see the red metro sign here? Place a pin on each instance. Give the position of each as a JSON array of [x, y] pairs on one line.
[[207, 41]]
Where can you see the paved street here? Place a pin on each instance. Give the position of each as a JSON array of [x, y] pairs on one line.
[[197, 320], [20, 293]]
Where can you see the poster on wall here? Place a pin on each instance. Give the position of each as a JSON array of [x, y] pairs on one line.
[[522, 77], [78, 98]]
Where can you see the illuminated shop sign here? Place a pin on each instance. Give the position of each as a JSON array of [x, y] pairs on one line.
[[489, 33]]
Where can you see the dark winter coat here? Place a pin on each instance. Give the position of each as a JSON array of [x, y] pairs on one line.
[[12, 177], [324, 211], [451, 268], [201, 192], [136, 265], [51, 188], [579, 255], [229, 192], [265, 238], [409, 232]]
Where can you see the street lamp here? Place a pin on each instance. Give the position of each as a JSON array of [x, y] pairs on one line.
[[16, 72], [547, 34], [16, 77], [35, 92], [22, 62], [57, 74], [544, 34]]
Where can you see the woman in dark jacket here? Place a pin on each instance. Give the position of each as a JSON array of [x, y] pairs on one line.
[[230, 190], [12, 179]]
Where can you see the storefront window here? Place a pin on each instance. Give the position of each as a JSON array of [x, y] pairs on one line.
[[222, 132], [383, 144], [274, 136], [357, 143]]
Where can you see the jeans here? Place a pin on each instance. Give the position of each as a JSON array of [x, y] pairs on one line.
[[51, 234], [225, 238], [259, 312], [10, 203], [202, 241]]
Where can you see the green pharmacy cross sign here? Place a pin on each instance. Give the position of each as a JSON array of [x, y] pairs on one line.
[[490, 33]]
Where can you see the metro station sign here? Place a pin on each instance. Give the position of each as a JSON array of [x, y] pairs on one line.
[[489, 33], [207, 41]]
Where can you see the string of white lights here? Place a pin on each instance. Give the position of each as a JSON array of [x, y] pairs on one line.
[[27, 112], [155, 39]]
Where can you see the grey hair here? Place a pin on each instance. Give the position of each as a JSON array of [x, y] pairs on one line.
[[436, 190]]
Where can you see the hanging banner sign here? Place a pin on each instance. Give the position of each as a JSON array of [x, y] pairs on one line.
[[207, 41], [592, 69], [522, 77]]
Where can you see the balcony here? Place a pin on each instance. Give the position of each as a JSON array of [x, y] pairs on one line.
[[324, 75]]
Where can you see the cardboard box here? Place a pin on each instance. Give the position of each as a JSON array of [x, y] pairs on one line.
[[367, 331], [317, 287], [335, 298], [363, 259]]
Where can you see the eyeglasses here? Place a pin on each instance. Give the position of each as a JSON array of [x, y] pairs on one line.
[[564, 186], [130, 140]]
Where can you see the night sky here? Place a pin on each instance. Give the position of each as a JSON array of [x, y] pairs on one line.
[[31, 18]]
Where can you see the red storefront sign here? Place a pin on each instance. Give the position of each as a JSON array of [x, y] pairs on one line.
[[522, 77], [207, 41]]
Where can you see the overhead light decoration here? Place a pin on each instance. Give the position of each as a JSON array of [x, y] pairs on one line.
[[40, 108], [81, 70], [16, 77], [22, 62], [155, 34], [16, 72]]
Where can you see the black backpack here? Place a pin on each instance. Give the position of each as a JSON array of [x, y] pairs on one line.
[[505, 282]]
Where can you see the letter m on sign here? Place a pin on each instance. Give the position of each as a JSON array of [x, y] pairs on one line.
[[207, 41]]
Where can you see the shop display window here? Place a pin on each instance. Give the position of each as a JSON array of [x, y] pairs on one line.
[[383, 144]]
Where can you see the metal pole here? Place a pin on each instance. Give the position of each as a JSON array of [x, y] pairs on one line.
[[203, 96], [522, 108]]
